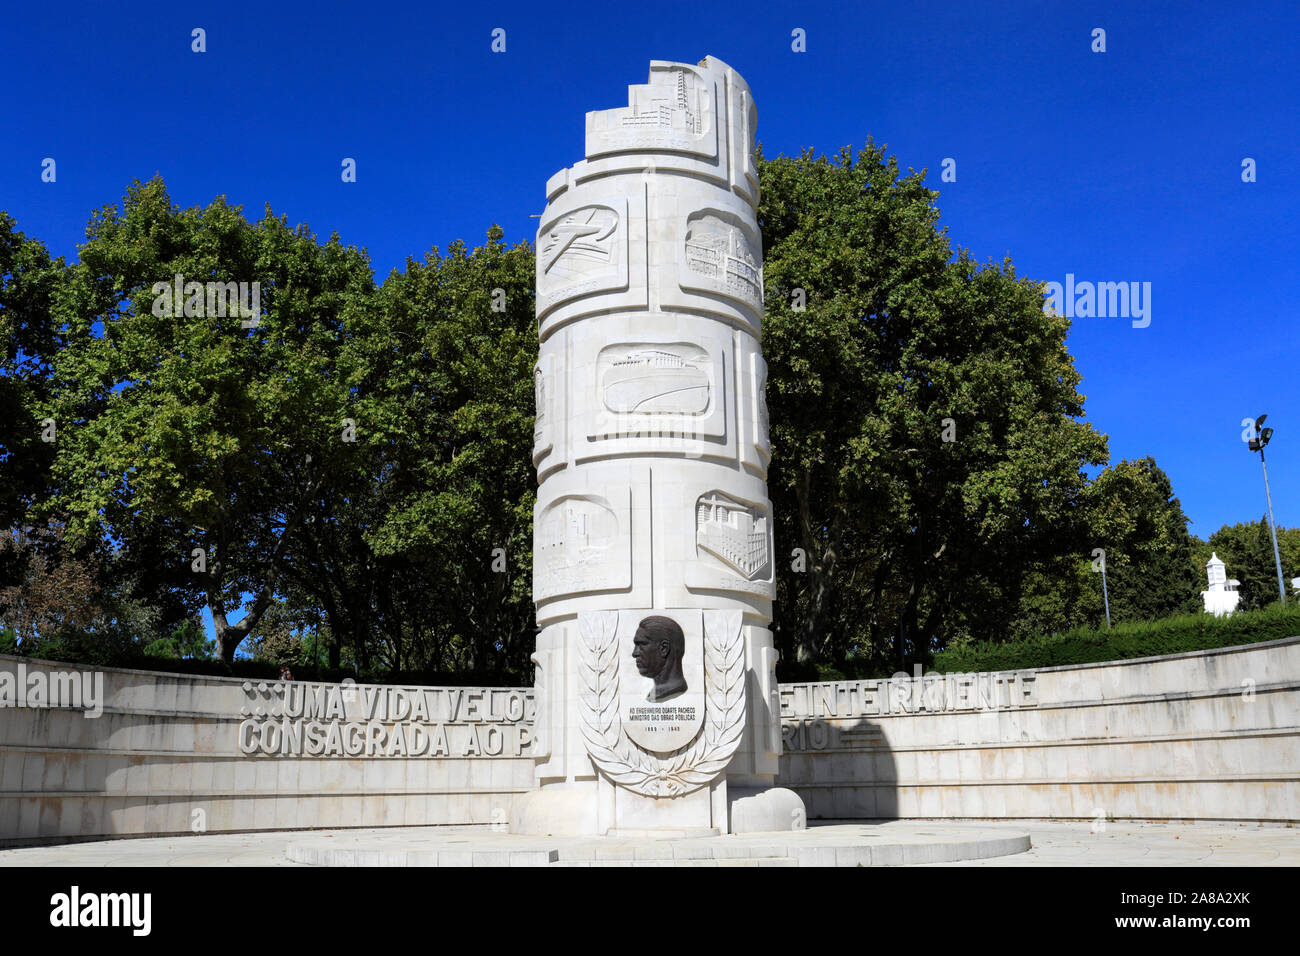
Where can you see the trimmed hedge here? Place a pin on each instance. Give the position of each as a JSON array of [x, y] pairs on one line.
[[1171, 635], [135, 659]]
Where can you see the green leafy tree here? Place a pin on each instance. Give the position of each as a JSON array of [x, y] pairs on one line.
[[29, 339], [927, 448], [1137, 521], [446, 366], [188, 641], [1246, 549], [204, 430]]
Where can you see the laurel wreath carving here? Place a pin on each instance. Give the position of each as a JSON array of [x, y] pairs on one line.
[[687, 768]]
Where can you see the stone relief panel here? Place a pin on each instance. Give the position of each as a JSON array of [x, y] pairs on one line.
[[733, 532], [734, 539], [544, 395], [653, 379], [705, 748], [579, 244], [676, 111], [655, 393], [723, 254], [744, 122], [582, 543], [758, 383], [582, 249]]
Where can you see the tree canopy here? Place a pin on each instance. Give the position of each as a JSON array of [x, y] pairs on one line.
[[338, 470]]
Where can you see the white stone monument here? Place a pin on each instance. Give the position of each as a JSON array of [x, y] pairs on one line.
[[1222, 597], [653, 555]]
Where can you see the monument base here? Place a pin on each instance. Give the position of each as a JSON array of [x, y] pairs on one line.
[[563, 809], [662, 833], [571, 809], [769, 810]]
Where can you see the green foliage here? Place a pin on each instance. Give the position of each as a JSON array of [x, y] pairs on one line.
[[447, 385], [347, 464], [1246, 549], [910, 539], [186, 642], [350, 464], [1130, 514], [1173, 635], [194, 431], [1140, 524], [28, 342]]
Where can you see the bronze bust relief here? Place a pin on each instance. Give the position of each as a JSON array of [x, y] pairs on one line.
[[657, 648]]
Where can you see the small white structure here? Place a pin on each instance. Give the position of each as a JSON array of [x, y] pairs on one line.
[[1222, 597]]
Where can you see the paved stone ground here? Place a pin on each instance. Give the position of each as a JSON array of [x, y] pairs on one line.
[[1152, 844], [845, 844], [1054, 844]]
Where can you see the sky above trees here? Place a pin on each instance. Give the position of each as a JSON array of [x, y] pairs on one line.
[[1122, 166]]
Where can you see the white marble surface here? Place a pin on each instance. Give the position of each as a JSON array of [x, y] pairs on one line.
[[1052, 844], [651, 448]]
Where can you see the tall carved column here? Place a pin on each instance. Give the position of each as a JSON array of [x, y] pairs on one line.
[[653, 554]]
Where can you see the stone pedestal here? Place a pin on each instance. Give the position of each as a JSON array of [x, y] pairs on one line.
[[653, 554]]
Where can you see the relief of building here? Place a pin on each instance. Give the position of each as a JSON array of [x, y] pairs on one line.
[[732, 532], [576, 548], [655, 380], [720, 250], [679, 107]]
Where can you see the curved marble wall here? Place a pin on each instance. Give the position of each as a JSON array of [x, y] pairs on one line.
[[1211, 735]]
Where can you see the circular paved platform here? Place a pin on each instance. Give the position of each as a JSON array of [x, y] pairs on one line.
[[1070, 844], [883, 844]]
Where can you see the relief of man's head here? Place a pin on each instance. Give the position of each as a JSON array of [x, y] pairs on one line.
[[657, 648]]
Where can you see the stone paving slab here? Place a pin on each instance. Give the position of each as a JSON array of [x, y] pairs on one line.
[[1053, 844]]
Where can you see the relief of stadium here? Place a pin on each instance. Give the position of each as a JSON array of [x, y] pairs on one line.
[[733, 532]]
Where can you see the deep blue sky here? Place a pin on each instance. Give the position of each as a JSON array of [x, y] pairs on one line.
[[1123, 165]]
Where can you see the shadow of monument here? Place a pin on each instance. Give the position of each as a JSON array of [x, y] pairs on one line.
[[841, 767]]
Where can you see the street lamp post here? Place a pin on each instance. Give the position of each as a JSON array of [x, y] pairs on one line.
[[1105, 596], [1262, 436], [1099, 564]]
